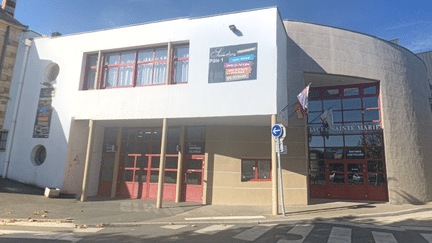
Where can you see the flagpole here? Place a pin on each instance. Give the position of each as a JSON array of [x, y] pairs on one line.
[[322, 113], [290, 103], [292, 114]]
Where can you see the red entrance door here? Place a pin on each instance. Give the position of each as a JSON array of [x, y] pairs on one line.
[[140, 174], [193, 178], [346, 180], [139, 165], [131, 172]]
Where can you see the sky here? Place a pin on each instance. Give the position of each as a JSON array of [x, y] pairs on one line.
[[409, 21]]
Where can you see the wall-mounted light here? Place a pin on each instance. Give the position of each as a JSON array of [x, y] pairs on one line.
[[236, 31], [48, 84], [51, 72]]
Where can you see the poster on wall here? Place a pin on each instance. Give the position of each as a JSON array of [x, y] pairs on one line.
[[233, 63], [43, 114], [195, 148], [355, 153]]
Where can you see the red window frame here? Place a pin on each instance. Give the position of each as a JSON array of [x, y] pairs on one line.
[[105, 67], [341, 96], [176, 60], [149, 169], [153, 62], [256, 170]]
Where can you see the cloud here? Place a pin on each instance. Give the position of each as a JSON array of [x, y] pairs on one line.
[[421, 44], [112, 17], [414, 35], [404, 25]]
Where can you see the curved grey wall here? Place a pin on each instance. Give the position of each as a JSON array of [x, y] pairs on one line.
[[404, 90]]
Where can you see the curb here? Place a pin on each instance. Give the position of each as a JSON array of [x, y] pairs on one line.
[[207, 220]]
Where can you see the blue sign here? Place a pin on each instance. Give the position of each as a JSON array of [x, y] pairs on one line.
[[276, 131], [242, 58]]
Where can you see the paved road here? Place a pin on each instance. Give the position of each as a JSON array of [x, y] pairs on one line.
[[334, 232]]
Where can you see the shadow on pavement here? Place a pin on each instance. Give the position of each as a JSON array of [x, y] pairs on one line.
[[322, 210], [10, 186]]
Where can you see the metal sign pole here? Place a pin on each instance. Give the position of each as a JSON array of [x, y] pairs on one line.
[[278, 131], [278, 144]]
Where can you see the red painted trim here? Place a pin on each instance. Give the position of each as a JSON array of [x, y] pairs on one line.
[[105, 67], [192, 193], [256, 170], [344, 191]]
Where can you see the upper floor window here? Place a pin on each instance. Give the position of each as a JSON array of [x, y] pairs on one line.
[[118, 69], [91, 72], [181, 64], [152, 66], [138, 68]]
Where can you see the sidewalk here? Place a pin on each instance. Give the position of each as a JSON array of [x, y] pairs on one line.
[[23, 204]]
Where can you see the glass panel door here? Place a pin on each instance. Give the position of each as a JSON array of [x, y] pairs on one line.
[[193, 178]]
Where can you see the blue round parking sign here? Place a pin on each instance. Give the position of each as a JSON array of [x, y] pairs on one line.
[[276, 131]]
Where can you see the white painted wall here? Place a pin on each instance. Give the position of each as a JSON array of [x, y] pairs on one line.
[[197, 98], [282, 79]]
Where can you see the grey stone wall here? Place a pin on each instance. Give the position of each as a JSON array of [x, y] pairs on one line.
[[427, 59], [404, 96]]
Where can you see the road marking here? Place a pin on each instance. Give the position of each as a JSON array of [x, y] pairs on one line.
[[255, 232], [382, 237], [300, 229], [427, 237], [44, 235], [211, 230], [417, 228], [369, 226], [340, 235], [87, 230], [228, 217], [174, 227], [43, 224]]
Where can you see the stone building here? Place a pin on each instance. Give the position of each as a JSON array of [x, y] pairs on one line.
[[10, 33]]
